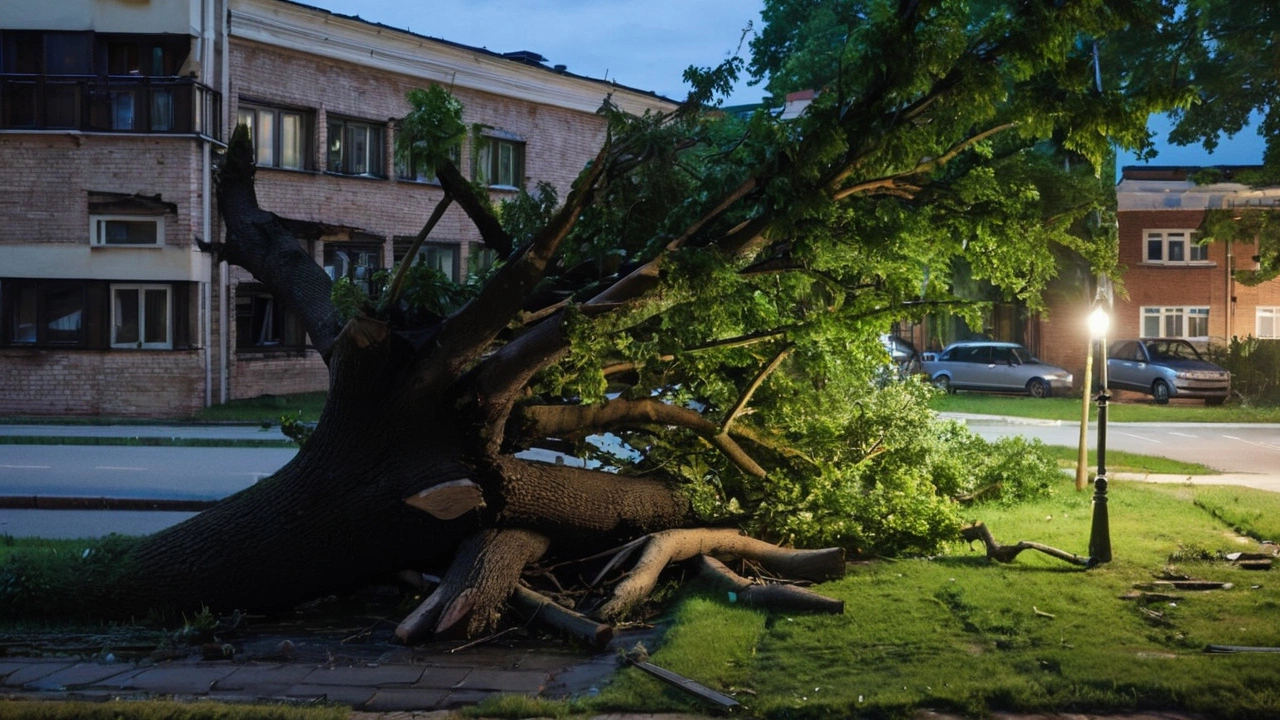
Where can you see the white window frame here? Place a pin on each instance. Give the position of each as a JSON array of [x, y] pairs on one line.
[[1271, 313], [142, 317], [98, 230], [1193, 253], [1183, 314]]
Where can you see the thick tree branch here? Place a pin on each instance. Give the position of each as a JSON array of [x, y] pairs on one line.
[[895, 182], [765, 372], [573, 504], [1006, 553], [476, 207], [579, 420], [466, 334], [268, 247]]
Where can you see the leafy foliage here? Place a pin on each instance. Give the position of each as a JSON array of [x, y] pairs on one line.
[[42, 582]]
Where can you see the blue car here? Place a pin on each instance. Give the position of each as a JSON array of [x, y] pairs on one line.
[[1166, 368]]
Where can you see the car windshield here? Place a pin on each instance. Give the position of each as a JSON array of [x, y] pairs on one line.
[[1171, 350]]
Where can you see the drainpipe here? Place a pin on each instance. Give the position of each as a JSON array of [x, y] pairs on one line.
[[206, 296], [224, 284]]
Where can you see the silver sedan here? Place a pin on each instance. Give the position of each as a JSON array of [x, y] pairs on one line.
[[995, 367]]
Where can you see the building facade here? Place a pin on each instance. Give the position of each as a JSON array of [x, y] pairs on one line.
[[112, 114]]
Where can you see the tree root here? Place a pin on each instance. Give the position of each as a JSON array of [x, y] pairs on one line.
[[670, 546], [469, 599], [547, 612], [789, 598], [1006, 553]]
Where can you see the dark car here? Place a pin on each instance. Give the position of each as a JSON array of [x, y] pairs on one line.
[[995, 367], [1166, 368]]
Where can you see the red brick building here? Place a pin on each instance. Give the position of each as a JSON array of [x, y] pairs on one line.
[[1175, 286], [111, 115]]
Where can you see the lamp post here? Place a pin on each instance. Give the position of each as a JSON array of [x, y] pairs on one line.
[[1100, 529]]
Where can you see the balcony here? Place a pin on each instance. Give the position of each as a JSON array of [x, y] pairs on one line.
[[126, 104]]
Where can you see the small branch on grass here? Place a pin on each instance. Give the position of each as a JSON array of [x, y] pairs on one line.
[[554, 615], [1006, 553], [791, 598]]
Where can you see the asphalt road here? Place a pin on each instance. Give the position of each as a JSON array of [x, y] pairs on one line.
[[1226, 447], [192, 473]]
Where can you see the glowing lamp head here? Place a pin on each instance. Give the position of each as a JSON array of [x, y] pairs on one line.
[[1099, 322]]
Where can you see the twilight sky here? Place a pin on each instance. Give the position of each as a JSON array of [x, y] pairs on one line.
[[647, 45]]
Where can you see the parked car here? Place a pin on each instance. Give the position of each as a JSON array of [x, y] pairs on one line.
[[995, 367], [1166, 368]]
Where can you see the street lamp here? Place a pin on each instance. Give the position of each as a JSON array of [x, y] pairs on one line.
[[1100, 530]]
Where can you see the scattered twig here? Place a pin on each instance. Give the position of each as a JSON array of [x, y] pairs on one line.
[[1040, 613]]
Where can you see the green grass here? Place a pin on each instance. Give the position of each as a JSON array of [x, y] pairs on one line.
[[958, 633], [1245, 510], [265, 409], [1119, 461], [10, 545], [1124, 410], [162, 710]]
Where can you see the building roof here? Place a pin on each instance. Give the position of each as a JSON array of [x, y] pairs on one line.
[[518, 59], [1172, 187]]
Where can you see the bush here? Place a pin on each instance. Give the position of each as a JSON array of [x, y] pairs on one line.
[[1254, 366]]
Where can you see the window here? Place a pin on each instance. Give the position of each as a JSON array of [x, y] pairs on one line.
[[140, 317], [1171, 247], [280, 137], [1268, 322], [126, 231], [479, 259], [499, 162], [421, 171], [263, 323], [440, 257], [40, 312], [356, 148], [1175, 322], [356, 263]]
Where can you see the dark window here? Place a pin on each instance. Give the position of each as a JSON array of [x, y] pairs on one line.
[[40, 312], [68, 53], [281, 137], [499, 163], [264, 323], [356, 148]]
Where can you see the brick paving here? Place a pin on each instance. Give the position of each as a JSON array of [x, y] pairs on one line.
[[399, 683]]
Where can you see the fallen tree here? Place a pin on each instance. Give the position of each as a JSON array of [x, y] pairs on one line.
[[709, 292]]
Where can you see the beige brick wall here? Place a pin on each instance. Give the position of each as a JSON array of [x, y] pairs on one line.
[[47, 179], [108, 383]]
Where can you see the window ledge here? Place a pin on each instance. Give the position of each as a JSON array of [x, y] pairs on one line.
[[292, 171], [375, 178], [1180, 265], [505, 188], [251, 354], [104, 246]]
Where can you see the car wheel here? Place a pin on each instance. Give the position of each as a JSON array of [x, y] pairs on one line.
[[943, 383], [1160, 391], [1038, 388]]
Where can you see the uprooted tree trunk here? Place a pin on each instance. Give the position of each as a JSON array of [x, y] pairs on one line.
[[410, 465]]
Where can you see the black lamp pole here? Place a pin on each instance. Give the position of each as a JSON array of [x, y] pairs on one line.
[[1100, 530]]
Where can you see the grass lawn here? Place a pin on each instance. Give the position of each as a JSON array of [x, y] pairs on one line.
[[1130, 408], [1119, 461], [958, 633], [265, 409]]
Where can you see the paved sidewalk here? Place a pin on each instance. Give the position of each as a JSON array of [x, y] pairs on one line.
[[400, 679]]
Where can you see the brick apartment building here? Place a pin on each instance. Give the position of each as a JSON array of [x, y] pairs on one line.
[[111, 116]]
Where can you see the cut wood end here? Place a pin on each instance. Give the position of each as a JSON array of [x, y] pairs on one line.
[[448, 500], [365, 331]]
